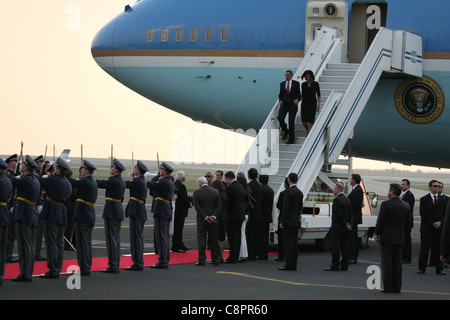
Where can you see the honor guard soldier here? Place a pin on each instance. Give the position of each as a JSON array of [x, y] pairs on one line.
[[135, 210], [84, 215], [162, 213], [5, 195], [40, 229], [10, 173], [54, 213], [26, 217], [113, 214], [40, 162]]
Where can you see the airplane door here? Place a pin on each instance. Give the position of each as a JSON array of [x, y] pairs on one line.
[[366, 19], [332, 14]]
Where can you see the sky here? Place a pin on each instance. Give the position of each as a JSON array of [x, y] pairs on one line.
[[54, 93]]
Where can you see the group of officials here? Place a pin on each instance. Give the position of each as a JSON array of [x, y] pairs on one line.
[[393, 229], [35, 196]]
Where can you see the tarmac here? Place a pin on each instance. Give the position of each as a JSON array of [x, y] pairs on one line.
[[250, 283]]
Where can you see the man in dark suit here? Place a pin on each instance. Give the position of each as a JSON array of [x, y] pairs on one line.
[[290, 221], [392, 222], [182, 206], [267, 196], [356, 198], [441, 192], [280, 230], [340, 220], [408, 196], [208, 204], [236, 198], [432, 213], [254, 218], [289, 98], [445, 238]]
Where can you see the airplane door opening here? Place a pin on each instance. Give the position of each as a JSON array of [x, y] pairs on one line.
[[332, 14], [366, 19]]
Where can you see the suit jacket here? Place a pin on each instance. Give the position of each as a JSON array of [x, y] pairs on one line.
[[393, 220], [342, 211], [429, 215], [292, 207], [267, 196], [409, 197], [445, 239], [207, 203], [294, 93], [182, 203], [356, 197], [256, 188], [236, 199]]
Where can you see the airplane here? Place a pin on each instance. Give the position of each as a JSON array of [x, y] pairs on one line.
[[221, 62]]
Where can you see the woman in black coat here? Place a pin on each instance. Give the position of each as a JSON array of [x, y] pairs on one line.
[[310, 100]]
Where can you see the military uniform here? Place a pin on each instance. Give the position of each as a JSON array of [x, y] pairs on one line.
[[135, 210], [162, 214], [84, 217], [54, 213], [11, 204], [40, 228], [5, 195], [113, 215], [26, 219]]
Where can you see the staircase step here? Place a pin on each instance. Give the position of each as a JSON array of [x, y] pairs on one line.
[[343, 66], [334, 86], [335, 79], [338, 73]]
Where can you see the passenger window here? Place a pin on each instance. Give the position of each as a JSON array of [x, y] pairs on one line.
[[194, 34], [164, 34], [179, 33], [150, 35], [224, 34], [209, 34]]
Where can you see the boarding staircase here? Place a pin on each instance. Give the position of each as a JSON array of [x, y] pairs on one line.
[[345, 90]]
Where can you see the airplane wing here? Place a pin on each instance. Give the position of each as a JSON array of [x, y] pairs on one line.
[[65, 155]]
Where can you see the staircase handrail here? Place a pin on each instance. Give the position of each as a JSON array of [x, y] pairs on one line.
[[264, 148]]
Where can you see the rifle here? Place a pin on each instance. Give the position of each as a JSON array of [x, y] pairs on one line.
[[112, 156], [43, 162], [17, 170], [81, 161]]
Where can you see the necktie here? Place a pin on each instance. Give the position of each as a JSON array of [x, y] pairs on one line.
[[287, 87], [435, 208]]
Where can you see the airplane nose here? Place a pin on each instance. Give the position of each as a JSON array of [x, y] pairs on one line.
[[102, 47]]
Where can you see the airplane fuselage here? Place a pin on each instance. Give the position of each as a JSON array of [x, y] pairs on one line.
[[221, 63]]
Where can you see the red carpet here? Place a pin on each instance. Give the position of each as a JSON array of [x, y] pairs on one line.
[[98, 264], [40, 267]]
